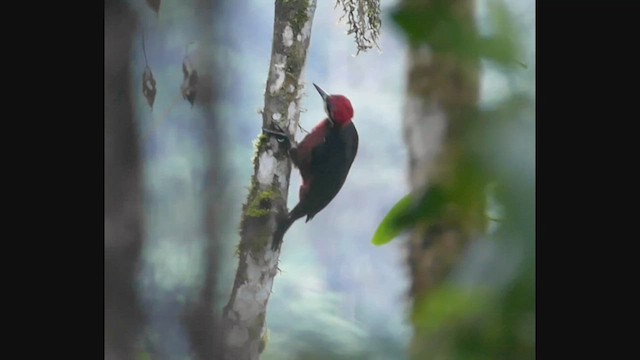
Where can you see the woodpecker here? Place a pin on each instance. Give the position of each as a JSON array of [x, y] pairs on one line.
[[324, 158]]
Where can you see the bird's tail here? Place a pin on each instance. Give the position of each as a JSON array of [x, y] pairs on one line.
[[283, 226], [278, 235]]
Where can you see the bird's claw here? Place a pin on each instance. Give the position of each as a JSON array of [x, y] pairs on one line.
[[302, 129], [281, 136]]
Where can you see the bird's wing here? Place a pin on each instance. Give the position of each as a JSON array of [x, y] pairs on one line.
[[331, 161], [311, 146], [350, 138]]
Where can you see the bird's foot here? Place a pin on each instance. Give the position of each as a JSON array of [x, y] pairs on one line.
[[273, 132], [280, 135], [302, 129]]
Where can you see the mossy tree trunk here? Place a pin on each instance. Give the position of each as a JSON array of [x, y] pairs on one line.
[[443, 90], [244, 316]]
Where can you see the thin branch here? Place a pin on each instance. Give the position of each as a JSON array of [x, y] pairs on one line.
[[144, 51]]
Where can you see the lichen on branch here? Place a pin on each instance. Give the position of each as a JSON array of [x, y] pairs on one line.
[[363, 18]]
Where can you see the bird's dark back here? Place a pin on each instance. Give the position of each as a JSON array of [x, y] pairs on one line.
[[330, 165]]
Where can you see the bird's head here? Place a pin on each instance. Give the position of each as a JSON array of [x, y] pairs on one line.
[[337, 107]]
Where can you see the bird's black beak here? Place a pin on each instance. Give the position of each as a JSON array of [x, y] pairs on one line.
[[327, 103], [322, 92]]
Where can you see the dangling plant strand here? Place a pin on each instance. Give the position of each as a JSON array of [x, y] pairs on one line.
[[148, 82]]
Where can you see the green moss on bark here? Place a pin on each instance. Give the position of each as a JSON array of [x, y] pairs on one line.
[[261, 204], [299, 18]]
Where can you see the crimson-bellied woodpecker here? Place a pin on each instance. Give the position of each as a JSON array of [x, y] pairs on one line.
[[324, 158]]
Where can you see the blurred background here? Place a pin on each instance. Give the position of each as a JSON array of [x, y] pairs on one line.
[[337, 296]]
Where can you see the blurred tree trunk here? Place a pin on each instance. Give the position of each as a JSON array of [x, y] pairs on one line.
[[124, 322], [442, 90], [244, 316], [123, 230], [201, 318]]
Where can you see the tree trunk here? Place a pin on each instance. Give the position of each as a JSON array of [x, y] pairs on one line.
[[124, 320], [201, 318], [244, 316], [123, 230], [442, 88]]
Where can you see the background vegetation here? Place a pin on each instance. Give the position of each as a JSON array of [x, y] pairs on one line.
[[338, 296]]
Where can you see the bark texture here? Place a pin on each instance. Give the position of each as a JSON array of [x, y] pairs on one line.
[[440, 88], [244, 316]]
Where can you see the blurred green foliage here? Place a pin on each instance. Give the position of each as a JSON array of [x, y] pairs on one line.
[[485, 309], [435, 22], [409, 211], [341, 300], [466, 191], [390, 227]]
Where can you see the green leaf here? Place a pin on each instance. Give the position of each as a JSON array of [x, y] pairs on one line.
[[388, 228], [438, 24], [430, 205], [502, 47], [407, 212]]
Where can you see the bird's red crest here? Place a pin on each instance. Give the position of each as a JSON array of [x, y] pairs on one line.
[[341, 110]]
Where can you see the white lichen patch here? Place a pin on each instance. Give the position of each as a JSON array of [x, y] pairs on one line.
[[251, 297], [245, 303], [276, 116], [253, 271], [237, 336], [281, 170], [266, 168], [269, 255], [262, 295], [306, 30], [287, 36], [291, 110], [299, 37], [291, 114], [280, 61], [301, 85], [233, 316], [291, 89]]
